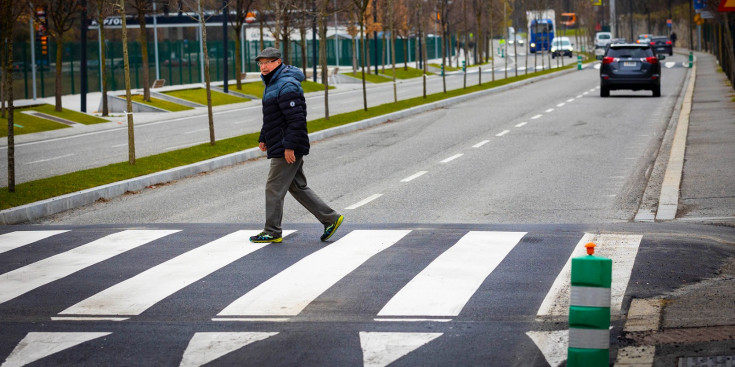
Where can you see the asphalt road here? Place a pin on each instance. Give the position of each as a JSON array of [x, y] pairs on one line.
[[82, 147], [167, 295], [548, 152]]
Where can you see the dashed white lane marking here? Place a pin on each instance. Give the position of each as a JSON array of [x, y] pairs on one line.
[[535, 117], [585, 93], [561, 104], [521, 124], [119, 145], [452, 158], [51, 159], [363, 202], [502, 133], [579, 96], [570, 100], [549, 110], [481, 143], [195, 131], [414, 176], [593, 89]]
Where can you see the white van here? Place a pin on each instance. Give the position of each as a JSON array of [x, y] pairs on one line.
[[602, 39]]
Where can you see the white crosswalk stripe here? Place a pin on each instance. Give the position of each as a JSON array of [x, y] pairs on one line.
[[13, 240], [445, 286], [30, 277], [290, 291], [135, 295]]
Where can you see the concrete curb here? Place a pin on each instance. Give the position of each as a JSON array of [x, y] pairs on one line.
[[43, 208], [669, 200]]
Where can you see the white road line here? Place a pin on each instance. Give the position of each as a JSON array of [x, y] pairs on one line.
[[619, 247], [585, 93], [452, 158], [444, 287], [96, 318], [184, 146], [481, 143], [384, 319], [522, 124], [37, 345], [414, 176], [195, 131], [206, 347], [290, 291], [30, 277], [119, 145], [380, 349], [363, 202], [51, 159], [135, 295], [549, 110], [561, 104], [579, 96], [502, 133], [570, 100], [13, 240], [536, 117], [593, 89]]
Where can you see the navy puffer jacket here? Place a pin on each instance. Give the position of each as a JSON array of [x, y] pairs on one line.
[[284, 113]]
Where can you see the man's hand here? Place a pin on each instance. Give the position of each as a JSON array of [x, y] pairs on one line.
[[262, 146], [290, 157]]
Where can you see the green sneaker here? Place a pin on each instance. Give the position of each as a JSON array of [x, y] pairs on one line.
[[330, 229], [263, 237]]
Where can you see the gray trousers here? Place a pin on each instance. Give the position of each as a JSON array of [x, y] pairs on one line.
[[282, 178]]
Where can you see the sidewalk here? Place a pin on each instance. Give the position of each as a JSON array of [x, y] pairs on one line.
[[695, 324]]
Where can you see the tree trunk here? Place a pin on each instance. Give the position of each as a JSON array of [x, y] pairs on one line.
[[9, 92], [207, 80], [103, 60], [238, 60], [323, 57], [129, 109], [362, 60], [59, 54], [143, 39]]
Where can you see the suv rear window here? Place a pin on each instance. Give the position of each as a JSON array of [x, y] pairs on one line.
[[632, 52]]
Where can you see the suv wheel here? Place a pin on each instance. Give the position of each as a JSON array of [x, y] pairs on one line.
[[604, 92], [656, 91]]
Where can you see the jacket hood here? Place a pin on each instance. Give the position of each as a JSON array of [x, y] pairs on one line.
[[289, 71]]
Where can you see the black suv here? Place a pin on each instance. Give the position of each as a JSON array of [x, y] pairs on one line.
[[662, 45], [630, 66]]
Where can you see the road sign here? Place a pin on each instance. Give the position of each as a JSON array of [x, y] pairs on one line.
[[597, 2], [727, 5]]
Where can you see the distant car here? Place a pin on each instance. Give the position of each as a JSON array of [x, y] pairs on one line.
[[662, 45], [644, 38], [633, 66], [561, 46], [618, 40], [175, 62], [602, 39], [521, 41]]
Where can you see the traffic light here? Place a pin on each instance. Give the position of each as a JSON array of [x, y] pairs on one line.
[[44, 45]]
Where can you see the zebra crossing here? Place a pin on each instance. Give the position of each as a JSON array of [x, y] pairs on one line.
[[399, 278]]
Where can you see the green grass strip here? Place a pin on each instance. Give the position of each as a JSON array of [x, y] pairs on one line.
[[160, 103], [29, 123], [405, 74], [70, 115], [199, 95], [32, 191], [446, 67]]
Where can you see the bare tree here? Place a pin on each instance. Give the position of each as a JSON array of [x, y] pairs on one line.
[[361, 6], [242, 8], [9, 12], [104, 8], [142, 8], [128, 98], [62, 14], [198, 8]]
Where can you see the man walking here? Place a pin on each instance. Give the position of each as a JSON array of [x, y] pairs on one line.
[[285, 138]]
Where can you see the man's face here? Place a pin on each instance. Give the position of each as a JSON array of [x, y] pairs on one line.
[[268, 65]]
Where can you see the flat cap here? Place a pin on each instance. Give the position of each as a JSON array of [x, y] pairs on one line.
[[269, 53]]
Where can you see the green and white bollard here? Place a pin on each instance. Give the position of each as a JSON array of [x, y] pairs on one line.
[[579, 62], [589, 311], [691, 59], [442, 69]]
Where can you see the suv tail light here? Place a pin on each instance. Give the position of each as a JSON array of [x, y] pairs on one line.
[[668, 42], [607, 60], [651, 60], [653, 43]]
